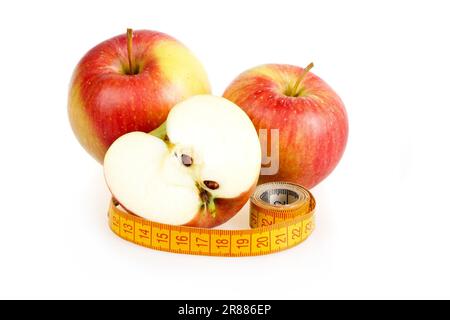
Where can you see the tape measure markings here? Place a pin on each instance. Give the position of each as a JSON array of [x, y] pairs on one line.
[[274, 227]]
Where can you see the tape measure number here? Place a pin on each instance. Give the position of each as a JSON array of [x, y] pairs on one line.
[[281, 216]]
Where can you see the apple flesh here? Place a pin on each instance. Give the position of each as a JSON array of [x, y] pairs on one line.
[[310, 116], [129, 83], [198, 169]]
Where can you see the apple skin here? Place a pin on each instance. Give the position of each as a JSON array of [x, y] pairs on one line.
[[313, 127], [105, 102], [225, 210]]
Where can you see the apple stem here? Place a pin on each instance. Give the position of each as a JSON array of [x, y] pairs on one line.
[[295, 90], [129, 49]]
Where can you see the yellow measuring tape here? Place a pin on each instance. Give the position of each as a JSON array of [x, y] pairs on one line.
[[281, 216]]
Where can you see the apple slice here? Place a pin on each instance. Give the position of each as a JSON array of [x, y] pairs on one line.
[[198, 169]]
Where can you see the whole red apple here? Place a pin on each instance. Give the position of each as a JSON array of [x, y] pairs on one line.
[[129, 83], [310, 117]]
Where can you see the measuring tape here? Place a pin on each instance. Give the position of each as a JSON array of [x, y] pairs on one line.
[[281, 216]]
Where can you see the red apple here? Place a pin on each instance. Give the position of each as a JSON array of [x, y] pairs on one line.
[[310, 117], [129, 83]]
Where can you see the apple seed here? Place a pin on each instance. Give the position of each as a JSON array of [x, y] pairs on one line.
[[211, 184], [186, 160]]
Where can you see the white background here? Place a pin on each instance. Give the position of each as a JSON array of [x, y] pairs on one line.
[[383, 215]]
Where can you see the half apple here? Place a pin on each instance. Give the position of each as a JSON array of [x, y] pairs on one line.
[[198, 169]]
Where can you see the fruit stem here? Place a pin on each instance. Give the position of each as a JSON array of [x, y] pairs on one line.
[[129, 49], [295, 90]]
